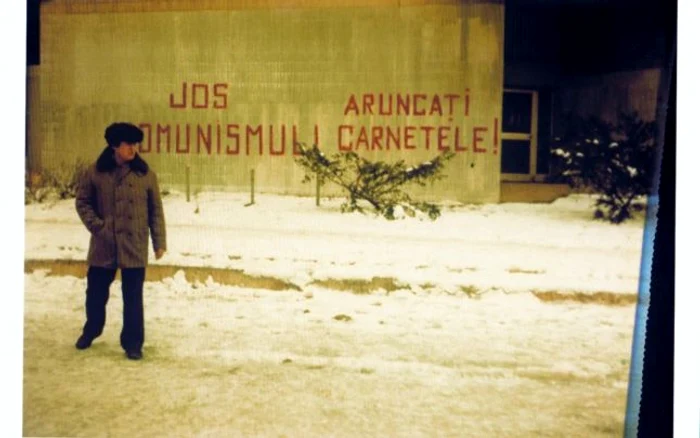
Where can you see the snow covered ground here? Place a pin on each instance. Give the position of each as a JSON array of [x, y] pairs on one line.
[[461, 348], [508, 247]]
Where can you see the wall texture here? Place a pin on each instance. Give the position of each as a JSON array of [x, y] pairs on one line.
[[226, 87]]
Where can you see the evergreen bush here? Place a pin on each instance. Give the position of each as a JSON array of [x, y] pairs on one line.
[[378, 183], [60, 182], [614, 160]]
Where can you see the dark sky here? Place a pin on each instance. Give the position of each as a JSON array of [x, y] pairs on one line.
[[589, 36], [32, 32]]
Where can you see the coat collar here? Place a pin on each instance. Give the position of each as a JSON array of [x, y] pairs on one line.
[[107, 163]]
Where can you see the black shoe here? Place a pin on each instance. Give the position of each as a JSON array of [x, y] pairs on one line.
[[134, 355], [83, 342]]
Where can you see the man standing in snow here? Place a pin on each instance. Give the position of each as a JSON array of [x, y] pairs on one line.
[[119, 202]]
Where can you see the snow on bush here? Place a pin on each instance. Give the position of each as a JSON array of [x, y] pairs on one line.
[[52, 184], [613, 160]]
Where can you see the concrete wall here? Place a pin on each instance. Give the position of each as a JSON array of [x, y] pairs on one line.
[[257, 75]]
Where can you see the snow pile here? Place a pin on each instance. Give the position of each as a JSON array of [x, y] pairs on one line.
[[178, 284]]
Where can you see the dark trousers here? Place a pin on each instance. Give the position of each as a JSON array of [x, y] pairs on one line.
[[97, 294]]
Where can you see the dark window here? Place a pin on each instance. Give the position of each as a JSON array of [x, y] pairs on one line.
[[517, 112], [515, 156]]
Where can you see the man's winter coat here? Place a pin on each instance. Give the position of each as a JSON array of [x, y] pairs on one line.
[[119, 205]]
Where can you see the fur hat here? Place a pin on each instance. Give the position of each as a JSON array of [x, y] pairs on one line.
[[116, 133]]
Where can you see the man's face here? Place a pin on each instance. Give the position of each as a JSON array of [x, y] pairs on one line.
[[126, 152]]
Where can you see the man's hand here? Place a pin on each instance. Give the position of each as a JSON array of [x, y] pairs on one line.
[[159, 253]]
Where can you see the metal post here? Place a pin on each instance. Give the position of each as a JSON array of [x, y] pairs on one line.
[[318, 190], [187, 181], [252, 186]]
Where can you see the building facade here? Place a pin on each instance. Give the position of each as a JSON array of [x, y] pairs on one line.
[[221, 88]]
